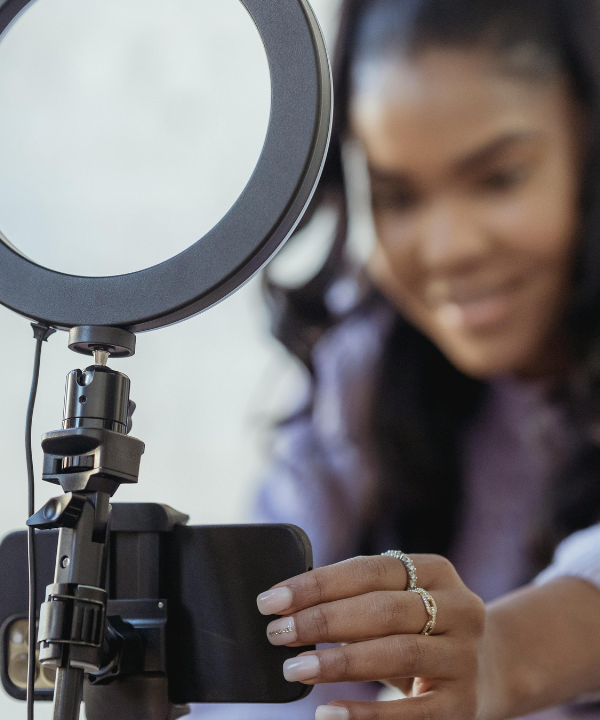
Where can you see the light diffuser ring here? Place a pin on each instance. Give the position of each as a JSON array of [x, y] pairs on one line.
[[257, 225]]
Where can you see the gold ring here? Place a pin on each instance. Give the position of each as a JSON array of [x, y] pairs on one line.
[[411, 570], [430, 606]]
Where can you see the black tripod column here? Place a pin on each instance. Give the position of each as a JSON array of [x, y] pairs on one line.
[[67, 693]]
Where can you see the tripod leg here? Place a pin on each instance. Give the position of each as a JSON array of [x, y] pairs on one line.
[[67, 695]]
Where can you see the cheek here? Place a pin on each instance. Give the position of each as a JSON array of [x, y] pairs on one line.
[[541, 222], [398, 242]]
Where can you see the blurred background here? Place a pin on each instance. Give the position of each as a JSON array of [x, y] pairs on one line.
[[127, 130]]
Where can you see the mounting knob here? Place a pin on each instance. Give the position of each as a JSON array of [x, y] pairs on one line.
[[114, 341]]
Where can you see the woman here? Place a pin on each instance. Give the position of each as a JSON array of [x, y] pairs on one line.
[[453, 407]]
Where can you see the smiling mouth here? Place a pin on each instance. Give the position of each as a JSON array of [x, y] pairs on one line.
[[477, 310]]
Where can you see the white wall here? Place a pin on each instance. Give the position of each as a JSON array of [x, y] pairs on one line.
[[77, 193]]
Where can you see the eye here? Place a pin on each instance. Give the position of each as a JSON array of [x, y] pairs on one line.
[[503, 180], [394, 199]]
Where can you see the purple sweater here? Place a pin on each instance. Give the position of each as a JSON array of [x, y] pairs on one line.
[[322, 480]]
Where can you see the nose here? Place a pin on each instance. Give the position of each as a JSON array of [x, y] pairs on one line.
[[451, 238]]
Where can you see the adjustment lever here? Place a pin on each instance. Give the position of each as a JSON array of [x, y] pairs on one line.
[[59, 512]]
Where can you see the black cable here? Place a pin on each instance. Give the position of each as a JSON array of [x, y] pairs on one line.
[[41, 333]]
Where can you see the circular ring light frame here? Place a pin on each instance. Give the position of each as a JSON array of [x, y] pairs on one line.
[[261, 220]]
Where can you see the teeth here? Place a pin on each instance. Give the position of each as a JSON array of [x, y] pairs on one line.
[[450, 315], [441, 293]]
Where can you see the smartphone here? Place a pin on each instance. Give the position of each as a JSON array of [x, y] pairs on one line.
[[217, 649]]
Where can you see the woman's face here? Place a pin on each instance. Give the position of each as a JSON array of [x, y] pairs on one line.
[[475, 183]]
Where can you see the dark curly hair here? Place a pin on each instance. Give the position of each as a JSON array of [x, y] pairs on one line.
[[422, 401]]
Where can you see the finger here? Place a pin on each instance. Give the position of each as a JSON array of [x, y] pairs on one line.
[[433, 706], [399, 656], [373, 615], [354, 577]]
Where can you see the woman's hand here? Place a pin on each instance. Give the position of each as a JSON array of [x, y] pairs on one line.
[[362, 602]]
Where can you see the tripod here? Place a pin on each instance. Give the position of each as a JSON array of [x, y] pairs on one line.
[[90, 457]]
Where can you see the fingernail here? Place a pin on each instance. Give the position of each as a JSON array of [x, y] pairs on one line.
[[301, 668], [332, 712], [282, 631], [275, 601]]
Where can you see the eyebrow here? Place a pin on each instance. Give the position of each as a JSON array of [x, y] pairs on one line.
[[472, 160], [490, 151]]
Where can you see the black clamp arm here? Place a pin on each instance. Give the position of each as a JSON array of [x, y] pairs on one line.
[[73, 615]]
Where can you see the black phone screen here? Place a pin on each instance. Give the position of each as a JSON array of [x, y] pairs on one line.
[[218, 650]]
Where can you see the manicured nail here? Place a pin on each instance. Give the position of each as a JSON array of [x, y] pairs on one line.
[[282, 631], [275, 601], [332, 712], [305, 667]]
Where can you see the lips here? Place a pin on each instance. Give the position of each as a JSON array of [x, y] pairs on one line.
[[472, 308]]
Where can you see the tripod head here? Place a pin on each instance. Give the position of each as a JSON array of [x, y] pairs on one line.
[[92, 452], [90, 457]]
